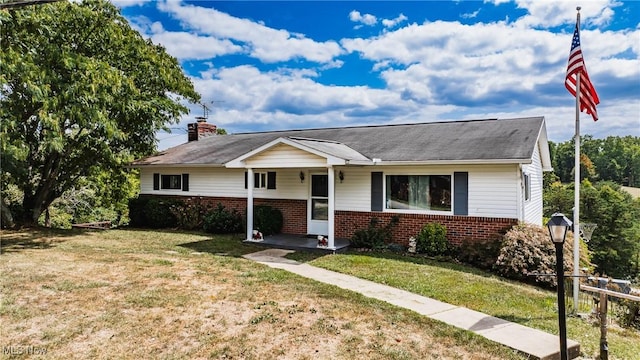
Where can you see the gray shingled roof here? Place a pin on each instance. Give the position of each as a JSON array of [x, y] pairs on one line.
[[472, 140]]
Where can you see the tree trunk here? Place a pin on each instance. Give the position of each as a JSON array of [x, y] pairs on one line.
[[6, 217]]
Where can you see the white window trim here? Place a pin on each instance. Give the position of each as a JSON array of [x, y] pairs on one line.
[[415, 211], [526, 182], [262, 180]]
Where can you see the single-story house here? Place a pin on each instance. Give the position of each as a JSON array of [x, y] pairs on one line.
[[477, 177]]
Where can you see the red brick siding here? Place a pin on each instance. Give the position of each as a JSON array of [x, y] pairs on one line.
[[458, 227], [294, 212]]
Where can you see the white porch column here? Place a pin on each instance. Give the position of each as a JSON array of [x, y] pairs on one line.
[[250, 204], [331, 220]]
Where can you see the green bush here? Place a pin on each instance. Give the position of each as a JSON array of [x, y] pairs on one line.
[[432, 240], [157, 213], [190, 213], [136, 211], [628, 313], [480, 253], [374, 236], [223, 221], [267, 219]]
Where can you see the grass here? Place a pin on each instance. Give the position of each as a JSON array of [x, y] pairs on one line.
[[132, 294], [465, 286]]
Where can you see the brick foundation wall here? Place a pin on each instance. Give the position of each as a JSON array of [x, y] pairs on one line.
[[294, 212], [458, 227]]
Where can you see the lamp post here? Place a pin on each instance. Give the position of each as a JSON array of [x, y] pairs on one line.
[[558, 226]]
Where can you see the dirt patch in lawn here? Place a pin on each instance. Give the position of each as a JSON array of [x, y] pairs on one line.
[[125, 294]]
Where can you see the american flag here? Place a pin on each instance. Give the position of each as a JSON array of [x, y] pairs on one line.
[[588, 96]]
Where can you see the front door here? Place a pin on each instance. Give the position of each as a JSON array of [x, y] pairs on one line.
[[318, 205]]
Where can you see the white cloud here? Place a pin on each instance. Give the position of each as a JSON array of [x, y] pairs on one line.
[[554, 13], [472, 15], [184, 45], [129, 3], [389, 23], [264, 43], [366, 19]]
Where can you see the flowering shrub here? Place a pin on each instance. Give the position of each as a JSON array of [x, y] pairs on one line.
[[527, 248], [189, 213]]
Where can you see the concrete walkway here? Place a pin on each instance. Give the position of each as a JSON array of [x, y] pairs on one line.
[[536, 343]]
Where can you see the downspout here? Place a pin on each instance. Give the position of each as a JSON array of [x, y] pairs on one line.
[[250, 203], [520, 201], [332, 208]]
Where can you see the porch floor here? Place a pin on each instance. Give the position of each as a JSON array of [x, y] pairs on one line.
[[298, 242]]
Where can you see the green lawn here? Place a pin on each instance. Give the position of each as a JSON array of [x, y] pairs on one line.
[[465, 286]]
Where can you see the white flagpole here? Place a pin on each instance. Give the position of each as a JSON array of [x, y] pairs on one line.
[[576, 200]]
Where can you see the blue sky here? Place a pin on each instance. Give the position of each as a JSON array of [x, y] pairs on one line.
[[271, 65]]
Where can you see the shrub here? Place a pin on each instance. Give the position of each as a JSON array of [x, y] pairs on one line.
[[480, 253], [157, 213], [527, 248], [223, 221], [628, 312], [374, 236], [267, 220], [432, 240], [136, 211], [190, 213]]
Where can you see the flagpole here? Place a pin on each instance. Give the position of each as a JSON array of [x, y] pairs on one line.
[[576, 200]]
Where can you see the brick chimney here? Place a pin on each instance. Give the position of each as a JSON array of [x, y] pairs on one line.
[[200, 129]]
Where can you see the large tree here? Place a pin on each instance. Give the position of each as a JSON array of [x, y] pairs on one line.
[[81, 93]]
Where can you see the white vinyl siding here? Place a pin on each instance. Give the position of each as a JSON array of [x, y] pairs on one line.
[[533, 206], [222, 182], [285, 156], [354, 192], [493, 190]]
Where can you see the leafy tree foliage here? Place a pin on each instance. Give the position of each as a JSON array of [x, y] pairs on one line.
[[614, 159], [81, 95], [615, 244]]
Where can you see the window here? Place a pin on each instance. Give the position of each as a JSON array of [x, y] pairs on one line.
[[418, 192], [527, 186], [172, 182], [262, 180]]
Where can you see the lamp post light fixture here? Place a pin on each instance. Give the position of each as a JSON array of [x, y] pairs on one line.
[[558, 226]]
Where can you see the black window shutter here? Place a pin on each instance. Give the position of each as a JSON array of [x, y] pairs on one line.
[[245, 180], [156, 181], [376, 191], [461, 193], [271, 180], [185, 182]]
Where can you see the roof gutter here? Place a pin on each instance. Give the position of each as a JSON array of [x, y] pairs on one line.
[[137, 166], [380, 162]]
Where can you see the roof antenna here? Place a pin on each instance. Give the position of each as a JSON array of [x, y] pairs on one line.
[[205, 111]]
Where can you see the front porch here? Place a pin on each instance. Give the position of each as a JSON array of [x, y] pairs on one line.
[[298, 242]]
